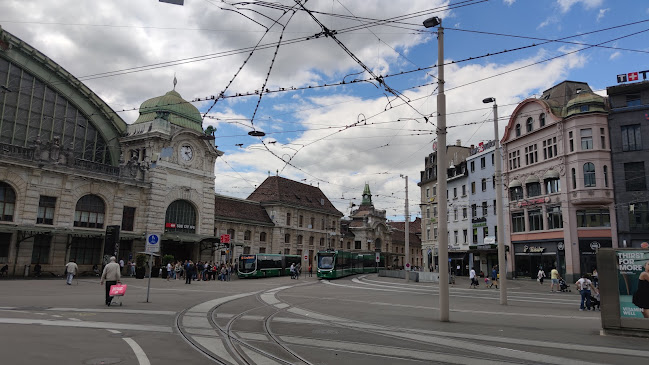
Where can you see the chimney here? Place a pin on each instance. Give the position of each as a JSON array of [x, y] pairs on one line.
[[458, 143]]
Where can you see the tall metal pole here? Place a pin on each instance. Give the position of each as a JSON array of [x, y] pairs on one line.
[[407, 224], [502, 265], [442, 242]]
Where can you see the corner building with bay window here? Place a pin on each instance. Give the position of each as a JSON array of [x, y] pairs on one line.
[[557, 168], [70, 167]]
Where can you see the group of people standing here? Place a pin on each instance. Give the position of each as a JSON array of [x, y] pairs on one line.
[[295, 271], [489, 281], [205, 271]]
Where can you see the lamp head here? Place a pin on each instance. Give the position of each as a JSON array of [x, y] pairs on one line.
[[489, 100], [432, 22]]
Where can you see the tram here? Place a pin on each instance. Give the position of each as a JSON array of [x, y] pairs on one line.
[[337, 264], [263, 265]]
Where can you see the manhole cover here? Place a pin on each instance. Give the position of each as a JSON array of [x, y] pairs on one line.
[[103, 360], [325, 332]]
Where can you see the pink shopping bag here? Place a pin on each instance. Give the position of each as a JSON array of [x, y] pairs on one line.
[[117, 290]]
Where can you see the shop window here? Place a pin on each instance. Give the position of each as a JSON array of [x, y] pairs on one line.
[[247, 235], [533, 189], [181, 217], [89, 212], [555, 218], [518, 222], [46, 205], [589, 175], [634, 176], [128, 219], [41, 249], [7, 202], [639, 216], [262, 237], [552, 186], [535, 219], [593, 218]]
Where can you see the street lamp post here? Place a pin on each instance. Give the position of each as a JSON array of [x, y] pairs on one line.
[[502, 265], [441, 172], [407, 233]]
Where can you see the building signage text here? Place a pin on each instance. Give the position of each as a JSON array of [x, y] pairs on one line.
[[527, 203], [533, 249], [632, 76]]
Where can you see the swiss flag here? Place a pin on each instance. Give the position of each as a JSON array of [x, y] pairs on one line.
[[633, 76]]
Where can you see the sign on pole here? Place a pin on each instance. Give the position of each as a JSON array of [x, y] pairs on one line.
[[152, 243], [377, 257], [306, 257], [225, 238]]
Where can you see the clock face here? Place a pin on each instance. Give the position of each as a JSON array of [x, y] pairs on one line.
[[186, 152]]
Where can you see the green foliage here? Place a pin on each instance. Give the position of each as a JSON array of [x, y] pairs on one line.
[[167, 259], [140, 260]]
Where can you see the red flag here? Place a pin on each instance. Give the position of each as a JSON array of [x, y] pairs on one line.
[[633, 76]]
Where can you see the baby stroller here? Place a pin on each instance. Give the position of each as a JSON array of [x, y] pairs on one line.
[[563, 286], [594, 302]]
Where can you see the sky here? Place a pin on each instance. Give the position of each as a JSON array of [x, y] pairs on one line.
[[327, 120]]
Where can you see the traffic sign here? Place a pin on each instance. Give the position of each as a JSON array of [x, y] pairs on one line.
[[378, 257], [306, 257], [152, 243], [407, 266], [225, 238]]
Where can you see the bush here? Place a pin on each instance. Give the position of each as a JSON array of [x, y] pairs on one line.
[[167, 259], [140, 260]]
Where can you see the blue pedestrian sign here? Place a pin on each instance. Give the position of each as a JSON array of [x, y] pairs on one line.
[[152, 245]]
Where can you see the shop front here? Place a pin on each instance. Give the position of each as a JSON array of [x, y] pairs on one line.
[[588, 252], [530, 256], [458, 262]]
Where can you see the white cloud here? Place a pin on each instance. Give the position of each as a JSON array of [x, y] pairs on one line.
[[565, 5], [550, 20], [615, 55], [509, 2], [601, 13]]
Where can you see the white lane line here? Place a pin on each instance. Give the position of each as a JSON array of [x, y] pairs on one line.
[[113, 331], [572, 303], [207, 306], [56, 316], [99, 310], [81, 324], [139, 353], [74, 319]]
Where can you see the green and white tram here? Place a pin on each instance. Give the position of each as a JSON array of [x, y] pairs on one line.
[[263, 265], [336, 264]]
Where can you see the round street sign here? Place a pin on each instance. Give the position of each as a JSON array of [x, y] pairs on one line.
[[306, 257], [152, 239]]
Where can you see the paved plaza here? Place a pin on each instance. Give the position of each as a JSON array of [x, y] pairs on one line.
[[363, 319]]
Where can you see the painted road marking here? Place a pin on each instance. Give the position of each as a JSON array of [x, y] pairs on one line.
[[99, 310], [139, 353], [82, 324], [113, 331]]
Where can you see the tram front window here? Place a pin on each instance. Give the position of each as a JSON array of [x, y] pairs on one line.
[[326, 261], [246, 264]]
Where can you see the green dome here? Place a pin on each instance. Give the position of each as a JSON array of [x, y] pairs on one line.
[[585, 102], [172, 107]]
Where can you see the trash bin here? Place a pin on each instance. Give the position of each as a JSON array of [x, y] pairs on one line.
[[26, 270]]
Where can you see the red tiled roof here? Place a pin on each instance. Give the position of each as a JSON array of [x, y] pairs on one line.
[[281, 190], [415, 226], [399, 237], [239, 209]]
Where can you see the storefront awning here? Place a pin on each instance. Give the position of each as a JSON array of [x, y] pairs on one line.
[[515, 184], [532, 179], [550, 174]]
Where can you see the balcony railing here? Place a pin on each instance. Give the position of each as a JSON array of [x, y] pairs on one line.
[[9, 150]]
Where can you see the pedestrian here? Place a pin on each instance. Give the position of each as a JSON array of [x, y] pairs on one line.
[[37, 270], [584, 285], [121, 266], [310, 270], [474, 281], [292, 269], [131, 266], [298, 268], [170, 271], [71, 269], [494, 277], [224, 272], [188, 272], [177, 270], [111, 276], [554, 276], [540, 275], [595, 278], [229, 271]]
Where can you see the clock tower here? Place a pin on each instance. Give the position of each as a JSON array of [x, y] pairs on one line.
[[167, 150]]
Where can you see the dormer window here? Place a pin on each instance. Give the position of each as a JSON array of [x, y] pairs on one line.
[[529, 124], [542, 119], [518, 130]]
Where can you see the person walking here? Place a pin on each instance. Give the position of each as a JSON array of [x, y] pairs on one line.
[[170, 271], [292, 269], [310, 270], [584, 285], [595, 278], [494, 277], [121, 266], [111, 276], [474, 281], [188, 272], [554, 276], [71, 269], [540, 275]]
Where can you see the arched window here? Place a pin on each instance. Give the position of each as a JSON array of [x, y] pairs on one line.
[[542, 119], [262, 237], [518, 130], [589, 174], [246, 235], [181, 217], [89, 212], [287, 238], [529, 124], [7, 202]]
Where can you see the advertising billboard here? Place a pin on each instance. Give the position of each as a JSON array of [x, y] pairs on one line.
[[633, 283]]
